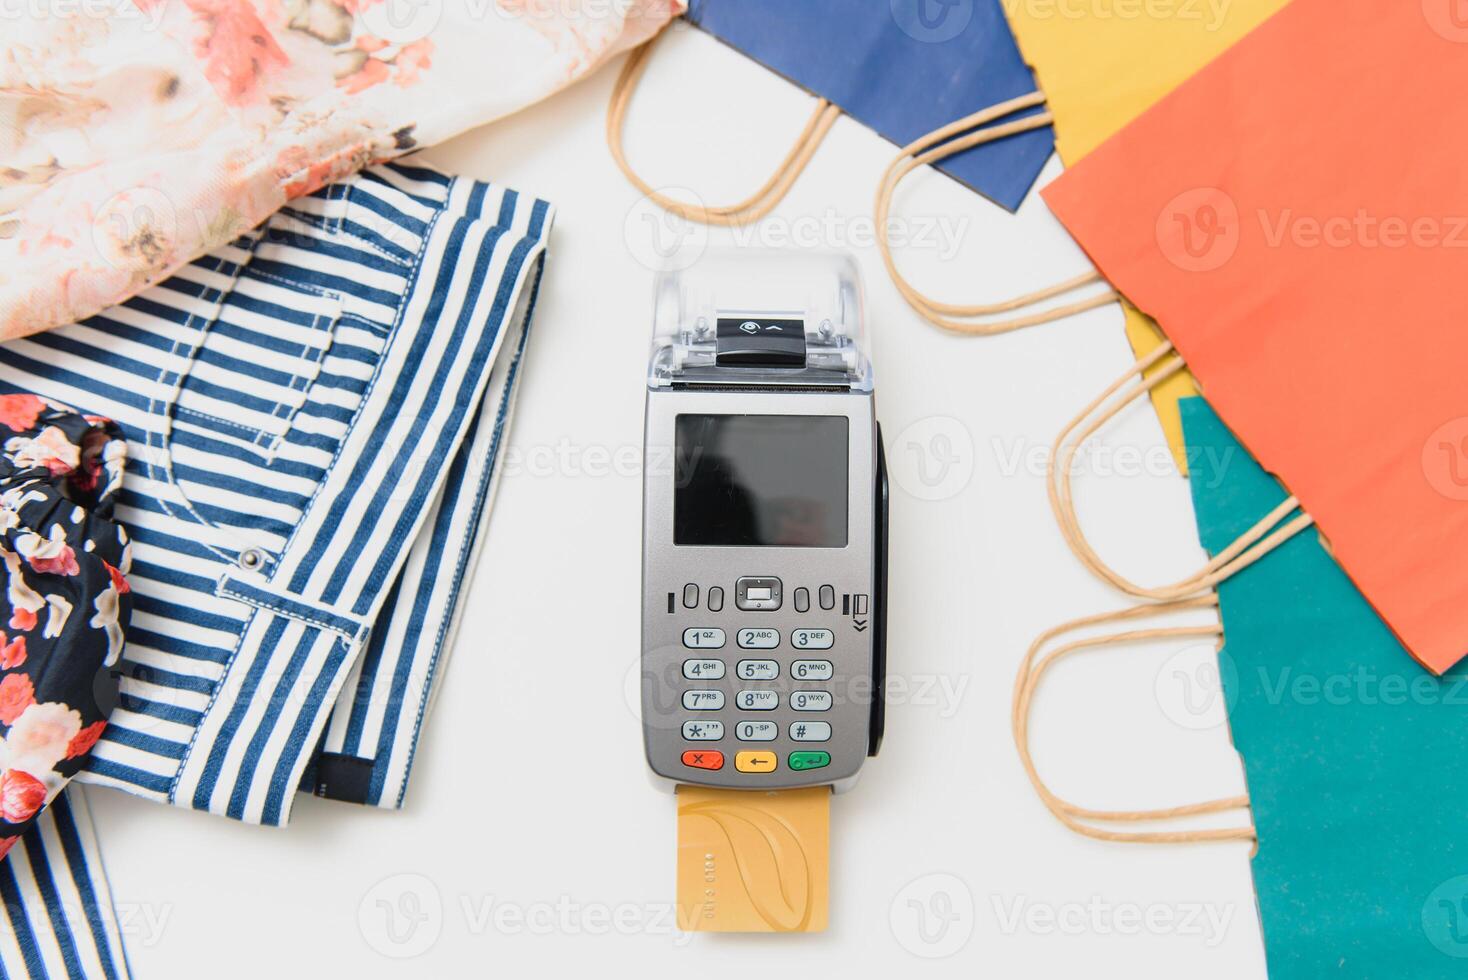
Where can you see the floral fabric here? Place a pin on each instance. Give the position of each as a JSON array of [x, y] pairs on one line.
[[65, 602], [133, 143]]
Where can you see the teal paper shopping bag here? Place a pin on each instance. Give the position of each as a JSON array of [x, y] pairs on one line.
[[1356, 757]]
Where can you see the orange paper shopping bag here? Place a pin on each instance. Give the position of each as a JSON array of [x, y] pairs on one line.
[[1295, 217]]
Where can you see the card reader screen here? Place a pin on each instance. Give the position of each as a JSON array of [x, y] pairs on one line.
[[752, 480]]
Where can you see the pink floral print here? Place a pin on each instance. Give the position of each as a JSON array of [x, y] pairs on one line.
[[132, 144], [21, 796], [17, 693], [63, 559]]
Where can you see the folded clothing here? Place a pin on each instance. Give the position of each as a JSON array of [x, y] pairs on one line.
[[313, 415], [58, 919], [135, 143], [65, 602]]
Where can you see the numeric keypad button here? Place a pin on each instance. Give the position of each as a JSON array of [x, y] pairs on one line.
[[757, 670], [703, 670], [810, 731], [811, 700], [811, 670], [703, 638], [817, 639], [703, 731], [703, 700], [756, 731], [757, 700], [762, 638]]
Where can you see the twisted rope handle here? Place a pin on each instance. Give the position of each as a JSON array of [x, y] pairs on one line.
[[1269, 533], [943, 143], [747, 211], [1081, 819]]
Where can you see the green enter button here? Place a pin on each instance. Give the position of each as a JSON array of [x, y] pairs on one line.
[[809, 760]]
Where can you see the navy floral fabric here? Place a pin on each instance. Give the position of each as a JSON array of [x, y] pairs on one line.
[[65, 603]]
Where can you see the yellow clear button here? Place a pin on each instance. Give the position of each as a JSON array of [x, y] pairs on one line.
[[755, 761]]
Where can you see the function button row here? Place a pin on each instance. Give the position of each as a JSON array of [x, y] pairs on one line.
[[703, 638], [759, 594], [756, 761], [703, 670]]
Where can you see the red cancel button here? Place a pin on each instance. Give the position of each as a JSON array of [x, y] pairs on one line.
[[703, 759]]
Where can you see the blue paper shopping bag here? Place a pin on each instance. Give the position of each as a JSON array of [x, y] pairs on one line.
[[901, 67]]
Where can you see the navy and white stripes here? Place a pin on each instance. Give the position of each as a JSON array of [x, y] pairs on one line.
[[313, 413], [59, 916]]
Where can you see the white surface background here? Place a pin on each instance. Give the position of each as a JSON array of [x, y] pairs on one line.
[[530, 824]]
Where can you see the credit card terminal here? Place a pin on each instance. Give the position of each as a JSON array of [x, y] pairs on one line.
[[764, 526]]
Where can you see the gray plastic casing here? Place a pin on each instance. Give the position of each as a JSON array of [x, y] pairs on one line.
[[668, 568]]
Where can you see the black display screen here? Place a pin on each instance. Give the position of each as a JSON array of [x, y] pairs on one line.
[[760, 480]]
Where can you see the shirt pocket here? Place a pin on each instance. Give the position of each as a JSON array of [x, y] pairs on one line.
[[276, 371], [262, 354]]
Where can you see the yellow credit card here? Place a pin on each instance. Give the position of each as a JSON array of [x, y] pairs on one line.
[[753, 862]]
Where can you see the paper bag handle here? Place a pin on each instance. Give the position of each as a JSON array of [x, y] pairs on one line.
[[944, 142], [1083, 820], [747, 211], [1269, 533]]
